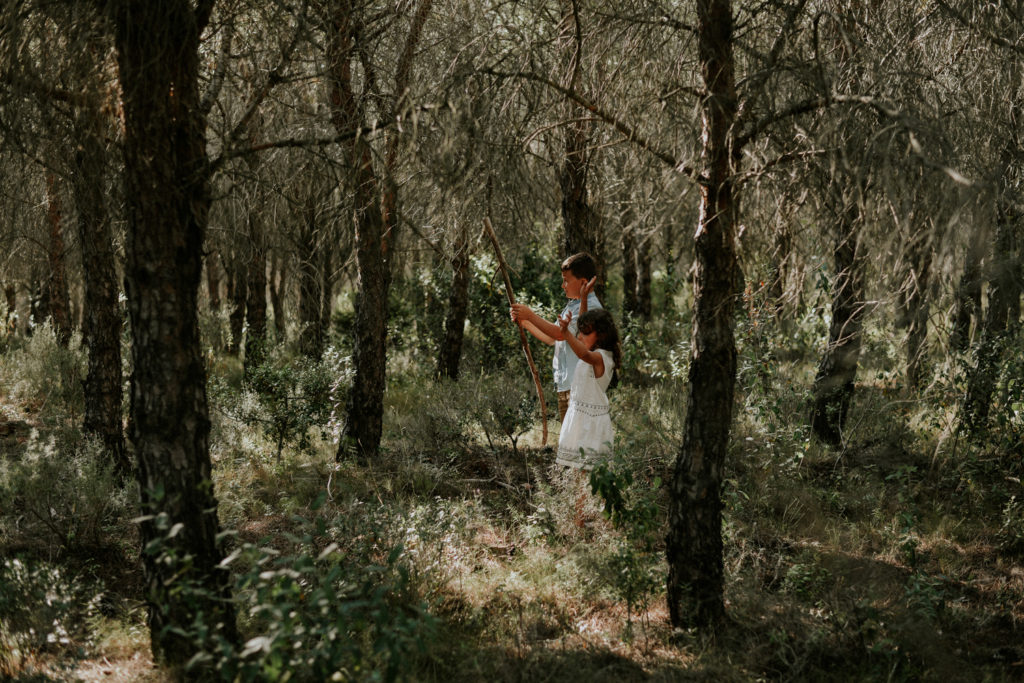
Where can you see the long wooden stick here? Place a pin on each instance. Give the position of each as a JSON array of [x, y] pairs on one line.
[[522, 333]]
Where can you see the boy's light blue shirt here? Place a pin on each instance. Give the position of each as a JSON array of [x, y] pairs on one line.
[[564, 363]]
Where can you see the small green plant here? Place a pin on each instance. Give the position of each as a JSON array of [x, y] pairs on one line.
[[47, 377], [1011, 530], [633, 510]]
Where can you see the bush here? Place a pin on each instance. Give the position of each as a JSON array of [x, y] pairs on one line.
[[44, 610], [315, 615], [48, 377], [62, 495]]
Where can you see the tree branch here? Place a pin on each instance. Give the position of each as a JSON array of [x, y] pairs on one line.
[[814, 104], [993, 38], [631, 135]]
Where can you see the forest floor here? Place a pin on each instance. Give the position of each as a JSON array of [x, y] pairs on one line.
[[878, 561]]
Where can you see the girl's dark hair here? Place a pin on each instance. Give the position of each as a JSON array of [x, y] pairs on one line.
[[600, 320]]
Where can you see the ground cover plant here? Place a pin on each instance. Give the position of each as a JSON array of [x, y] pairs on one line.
[[459, 557]]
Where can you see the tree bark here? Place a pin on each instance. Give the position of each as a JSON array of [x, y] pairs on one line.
[[11, 297], [458, 306], [630, 302], [833, 384], [102, 322], [310, 244], [365, 405], [1003, 293], [278, 280], [582, 232], [915, 304], [643, 277], [694, 543], [213, 281], [238, 294], [59, 304], [256, 296], [968, 294], [167, 204]]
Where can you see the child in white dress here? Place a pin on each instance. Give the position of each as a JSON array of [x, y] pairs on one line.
[[587, 430]]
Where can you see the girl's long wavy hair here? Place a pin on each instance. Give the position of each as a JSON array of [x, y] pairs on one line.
[[601, 321]]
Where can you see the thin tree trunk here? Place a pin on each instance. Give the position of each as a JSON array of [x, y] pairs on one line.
[[1002, 294], [102, 323], [310, 286], [694, 543], [643, 277], [57, 284], [630, 303], [167, 204], [11, 297], [458, 306], [213, 281], [238, 294], [256, 297], [278, 278], [916, 304], [968, 294], [833, 384]]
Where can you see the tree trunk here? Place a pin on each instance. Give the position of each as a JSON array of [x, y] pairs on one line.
[[310, 244], [11, 297], [915, 305], [694, 543], [578, 217], [102, 323], [59, 304], [643, 277], [213, 281], [833, 384], [458, 307], [238, 291], [167, 204], [1003, 292], [256, 297], [365, 406], [630, 302], [278, 278], [968, 294]]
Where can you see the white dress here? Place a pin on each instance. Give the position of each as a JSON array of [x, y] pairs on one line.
[[587, 429]]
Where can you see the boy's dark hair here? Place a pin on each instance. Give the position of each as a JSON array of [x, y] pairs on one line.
[[580, 265], [601, 321]]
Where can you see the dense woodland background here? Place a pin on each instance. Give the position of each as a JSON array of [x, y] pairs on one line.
[[264, 415]]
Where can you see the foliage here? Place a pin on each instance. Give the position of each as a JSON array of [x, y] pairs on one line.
[[47, 376], [46, 610], [633, 509], [285, 398], [312, 615], [62, 495]]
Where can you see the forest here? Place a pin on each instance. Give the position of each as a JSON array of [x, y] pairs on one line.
[[265, 414]]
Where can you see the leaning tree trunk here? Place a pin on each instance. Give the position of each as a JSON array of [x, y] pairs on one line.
[[833, 384], [968, 293], [167, 203], [238, 291], [102, 323], [694, 543], [458, 306], [59, 305]]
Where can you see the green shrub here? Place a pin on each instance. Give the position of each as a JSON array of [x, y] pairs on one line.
[[47, 377], [62, 495], [45, 610], [315, 615]]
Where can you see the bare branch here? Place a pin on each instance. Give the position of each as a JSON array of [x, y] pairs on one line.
[[994, 38], [631, 134]]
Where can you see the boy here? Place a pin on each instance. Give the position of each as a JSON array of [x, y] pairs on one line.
[[579, 273]]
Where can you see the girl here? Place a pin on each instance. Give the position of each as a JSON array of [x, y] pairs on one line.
[[587, 428]]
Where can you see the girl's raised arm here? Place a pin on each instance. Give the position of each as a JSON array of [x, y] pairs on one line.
[[586, 355]]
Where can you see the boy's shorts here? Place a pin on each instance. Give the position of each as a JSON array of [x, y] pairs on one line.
[[563, 404]]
